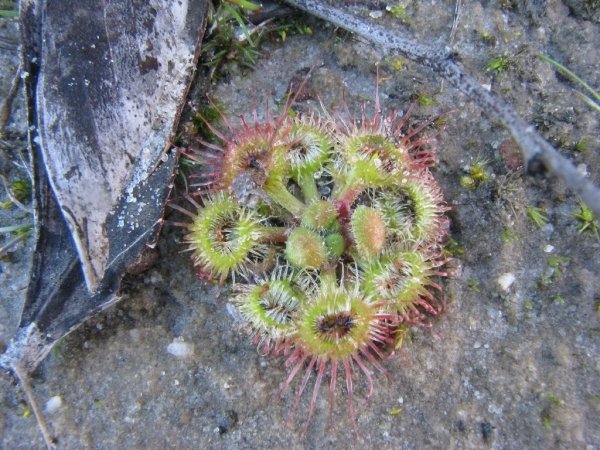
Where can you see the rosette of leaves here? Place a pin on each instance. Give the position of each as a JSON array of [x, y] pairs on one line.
[[353, 224]]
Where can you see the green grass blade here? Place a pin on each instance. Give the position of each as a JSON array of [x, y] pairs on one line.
[[245, 4], [591, 103], [241, 22], [13, 228], [571, 75]]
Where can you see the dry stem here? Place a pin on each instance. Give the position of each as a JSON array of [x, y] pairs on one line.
[[533, 147]]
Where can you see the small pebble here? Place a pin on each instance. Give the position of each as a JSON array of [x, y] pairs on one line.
[[548, 228], [582, 169], [180, 349], [376, 14], [549, 248], [53, 404], [135, 335], [506, 280]]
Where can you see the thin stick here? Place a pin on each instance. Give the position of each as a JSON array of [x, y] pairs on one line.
[[8, 44], [455, 22], [457, 7], [533, 147], [11, 197], [6, 108], [24, 381], [10, 243]]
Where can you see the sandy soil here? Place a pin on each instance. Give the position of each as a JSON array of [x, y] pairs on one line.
[[506, 369]]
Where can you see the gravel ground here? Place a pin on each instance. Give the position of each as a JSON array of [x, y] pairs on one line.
[[502, 368]]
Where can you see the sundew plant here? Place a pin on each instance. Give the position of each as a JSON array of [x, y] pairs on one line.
[[331, 230]]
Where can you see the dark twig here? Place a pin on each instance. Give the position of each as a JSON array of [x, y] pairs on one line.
[[6, 106], [8, 43], [533, 147], [23, 378], [5, 248], [455, 22], [11, 197]]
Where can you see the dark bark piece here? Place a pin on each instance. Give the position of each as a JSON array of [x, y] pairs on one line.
[[112, 77], [106, 86]]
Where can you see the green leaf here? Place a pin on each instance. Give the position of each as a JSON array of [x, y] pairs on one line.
[[245, 4], [241, 22], [8, 13], [594, 103]]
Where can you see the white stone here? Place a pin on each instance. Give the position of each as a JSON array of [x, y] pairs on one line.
[[53, 404], [506, 280], [549, 248], [180, 349]]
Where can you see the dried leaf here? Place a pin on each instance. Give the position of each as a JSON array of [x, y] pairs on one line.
[[105, 89]]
